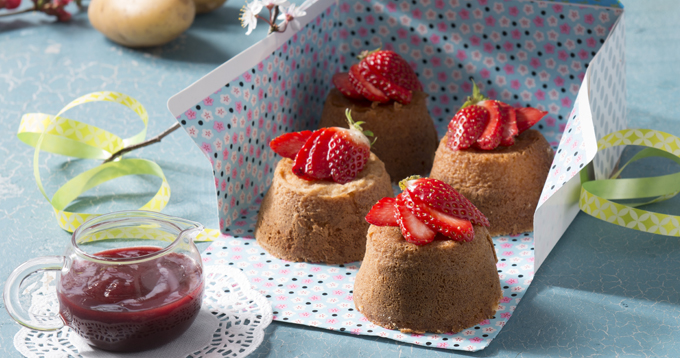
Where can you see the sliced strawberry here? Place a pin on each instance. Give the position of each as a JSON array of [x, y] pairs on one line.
[[466, 126], [505, 122], [392, 90], [527, 117], [509, 125], [491, 137], [302, 156], [383, 213], [393, 68], [437, 195], [342, 83], [380, 76], [413, 230], [449, 226], [289, 144], [369, 91], [317, 165]]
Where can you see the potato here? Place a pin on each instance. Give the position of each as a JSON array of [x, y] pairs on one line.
[[141, 23], [203, 6]]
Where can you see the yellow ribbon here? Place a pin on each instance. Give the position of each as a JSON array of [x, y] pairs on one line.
[[60, 135], [596, 195]]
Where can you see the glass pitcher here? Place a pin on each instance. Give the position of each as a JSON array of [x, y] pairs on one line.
[[128, 281]]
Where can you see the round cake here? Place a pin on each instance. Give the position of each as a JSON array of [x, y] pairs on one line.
[[406, 138], [444, 286], [319, 221], [504, 183]]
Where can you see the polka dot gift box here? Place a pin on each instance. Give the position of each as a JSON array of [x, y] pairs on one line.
[[564, 57]]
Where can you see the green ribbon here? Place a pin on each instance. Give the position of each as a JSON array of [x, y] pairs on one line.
[[597, 195], [60, 135]]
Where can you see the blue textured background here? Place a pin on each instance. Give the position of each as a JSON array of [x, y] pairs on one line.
[[603, 291]]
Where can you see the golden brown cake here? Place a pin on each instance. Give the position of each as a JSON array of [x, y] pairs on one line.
[[504, 183], [319, 221], [444, 286], [406, 136]]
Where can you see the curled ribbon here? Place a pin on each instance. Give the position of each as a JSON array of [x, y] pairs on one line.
[[60, 135], [596, 195]]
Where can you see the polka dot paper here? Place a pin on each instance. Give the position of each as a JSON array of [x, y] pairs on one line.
[[525, 53], [320, 295], [570, 156]]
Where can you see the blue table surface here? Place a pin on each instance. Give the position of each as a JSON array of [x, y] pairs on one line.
[[603, 291]]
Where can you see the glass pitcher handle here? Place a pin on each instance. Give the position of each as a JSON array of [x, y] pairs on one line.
[[18, 289]]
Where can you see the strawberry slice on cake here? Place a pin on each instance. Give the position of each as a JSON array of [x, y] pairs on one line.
[[427, 208]]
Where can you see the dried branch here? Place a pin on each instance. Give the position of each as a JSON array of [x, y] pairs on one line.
[[153, 140]]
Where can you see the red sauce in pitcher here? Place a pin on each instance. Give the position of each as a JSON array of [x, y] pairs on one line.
[[131, 307]]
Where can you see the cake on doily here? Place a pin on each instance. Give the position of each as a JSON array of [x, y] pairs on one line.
[[384, 92], [313, 212], [490, 155], [430, 264]]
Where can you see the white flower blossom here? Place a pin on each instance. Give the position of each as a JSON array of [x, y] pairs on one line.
[[249, 14], [269, 4], [291, 12]]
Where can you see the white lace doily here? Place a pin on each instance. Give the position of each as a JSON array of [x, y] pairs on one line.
[[231, 322]]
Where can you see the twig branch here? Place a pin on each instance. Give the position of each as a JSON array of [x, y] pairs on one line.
[[274, 15], [18, 12], [153, 140]]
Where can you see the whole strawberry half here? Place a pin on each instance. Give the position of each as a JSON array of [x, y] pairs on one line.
[[348, 151]]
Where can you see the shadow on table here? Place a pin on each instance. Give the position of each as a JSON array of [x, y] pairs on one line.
[[211, 39], [298, 340], [596, 257], [540, 329], [192, 190], [219, 19], [90, 203], [189, 47]]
